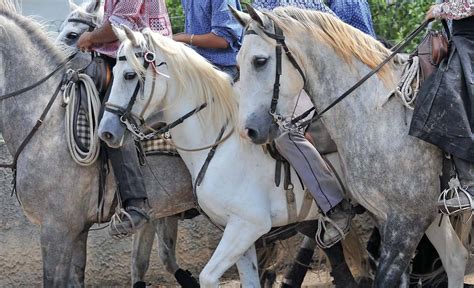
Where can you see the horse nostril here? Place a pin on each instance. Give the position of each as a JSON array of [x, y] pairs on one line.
[[108, 136], [252, 133]]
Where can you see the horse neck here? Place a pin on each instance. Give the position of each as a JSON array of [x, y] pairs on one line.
[[24, 64], [194, 132], [330, 76]]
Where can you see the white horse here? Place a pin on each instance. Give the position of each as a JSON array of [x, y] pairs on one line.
[[238, 190], [392, 175]]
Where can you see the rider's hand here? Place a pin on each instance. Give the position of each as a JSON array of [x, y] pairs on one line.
[[85, 41], [431, 14]]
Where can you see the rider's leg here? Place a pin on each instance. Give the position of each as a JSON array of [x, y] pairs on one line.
[[465, 202], [320, 181], [131, 186]]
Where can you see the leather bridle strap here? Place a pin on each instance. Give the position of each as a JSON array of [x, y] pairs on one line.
[[36, 84], [281, 44], [91, 25], [399, 47]]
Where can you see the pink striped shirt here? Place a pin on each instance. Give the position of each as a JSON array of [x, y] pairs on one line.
[[136, 14]]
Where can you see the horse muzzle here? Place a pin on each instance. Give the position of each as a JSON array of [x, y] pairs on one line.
[[111, 130], [259, 129]]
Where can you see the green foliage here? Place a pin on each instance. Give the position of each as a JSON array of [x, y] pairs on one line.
[[175, 10], [393, 22]]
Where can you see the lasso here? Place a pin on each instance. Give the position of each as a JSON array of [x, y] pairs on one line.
[[81, 157]]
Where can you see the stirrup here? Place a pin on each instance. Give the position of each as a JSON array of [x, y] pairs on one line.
[[453, 192], [121, 233], [322, 230]]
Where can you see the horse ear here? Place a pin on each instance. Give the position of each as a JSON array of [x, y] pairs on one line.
[[93, 6], [130, 34], [118, 31], [241, 17], [73, 6], [254, 14]]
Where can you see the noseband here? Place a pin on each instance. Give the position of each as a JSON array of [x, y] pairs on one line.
[[281, 44]]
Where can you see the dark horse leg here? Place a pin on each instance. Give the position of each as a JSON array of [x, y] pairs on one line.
[[57, 247], [79, 257], [339, 269], [400, 237]]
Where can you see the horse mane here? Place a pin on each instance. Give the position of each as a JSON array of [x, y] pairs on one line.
[[193, 75], [346, 40], [33, 30]]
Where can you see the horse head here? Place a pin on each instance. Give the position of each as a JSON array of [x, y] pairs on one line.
[[83, 18], [259, 65], [137, 87]]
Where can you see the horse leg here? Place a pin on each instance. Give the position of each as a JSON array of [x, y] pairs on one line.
[[79, 257], [57, 245], [400, 237], [295, 275], [142, 244], [247, 266], [452, 252], [167, 232], [238, 236]]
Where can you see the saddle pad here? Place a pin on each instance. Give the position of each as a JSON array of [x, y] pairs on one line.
[[153, 146]]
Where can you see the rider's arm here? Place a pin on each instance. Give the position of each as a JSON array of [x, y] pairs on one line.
[[209, 40], [452, 10]]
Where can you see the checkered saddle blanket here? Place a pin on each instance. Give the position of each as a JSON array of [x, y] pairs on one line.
[[154, 146]]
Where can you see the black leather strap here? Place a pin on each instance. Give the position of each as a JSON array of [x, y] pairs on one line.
[[91, 25]]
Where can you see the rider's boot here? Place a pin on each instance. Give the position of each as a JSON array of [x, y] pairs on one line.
[[132, 218], [335, 225]]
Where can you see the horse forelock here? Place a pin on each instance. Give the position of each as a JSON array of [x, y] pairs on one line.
[[35, 33], [192, 74], [345, 40]]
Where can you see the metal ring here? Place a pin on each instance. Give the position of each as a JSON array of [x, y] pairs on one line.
[[149, 57]]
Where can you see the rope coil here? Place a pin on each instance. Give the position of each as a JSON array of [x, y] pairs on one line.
[[81, 157]]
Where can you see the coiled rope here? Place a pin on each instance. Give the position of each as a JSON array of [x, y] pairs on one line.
[[407, 88], [81, 157]]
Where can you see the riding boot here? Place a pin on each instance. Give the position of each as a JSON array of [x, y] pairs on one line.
[[462, 201], [131, 187]]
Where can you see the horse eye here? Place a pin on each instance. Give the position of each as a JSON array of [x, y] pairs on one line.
[[72, 36], [129, 75], [259, 61]]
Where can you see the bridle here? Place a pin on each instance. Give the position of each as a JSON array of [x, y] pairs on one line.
[[281, 45], [91, 24], [280, 38], [128, 118], [125, 114]]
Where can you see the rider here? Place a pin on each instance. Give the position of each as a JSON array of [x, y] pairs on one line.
[[302, 155], [136, 14], [212, 31], [445, 116]]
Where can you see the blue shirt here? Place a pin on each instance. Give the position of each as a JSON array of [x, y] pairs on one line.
[[205, 16], [354, 12], [303, 4]]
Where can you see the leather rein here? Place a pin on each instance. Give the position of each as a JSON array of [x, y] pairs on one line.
[[279, 37], [40, 120]]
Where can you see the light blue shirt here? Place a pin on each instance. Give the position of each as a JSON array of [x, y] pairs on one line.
[[205, 16]]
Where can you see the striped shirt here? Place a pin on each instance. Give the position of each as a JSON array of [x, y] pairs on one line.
[[135, 14]]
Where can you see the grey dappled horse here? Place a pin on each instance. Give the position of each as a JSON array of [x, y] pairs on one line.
[[394, 176], [56, 193]]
